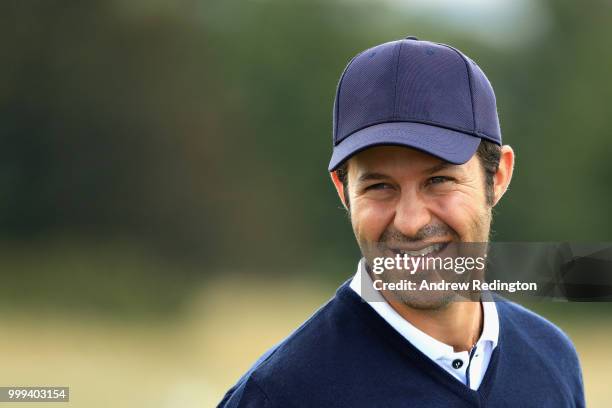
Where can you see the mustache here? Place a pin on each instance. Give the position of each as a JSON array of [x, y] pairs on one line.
[[425, 233]]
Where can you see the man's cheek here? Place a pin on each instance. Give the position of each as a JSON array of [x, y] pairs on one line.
[[467, 217], [369, 223], [457, 212]]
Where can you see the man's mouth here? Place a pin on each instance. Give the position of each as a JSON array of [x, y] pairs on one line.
[[429, 250]]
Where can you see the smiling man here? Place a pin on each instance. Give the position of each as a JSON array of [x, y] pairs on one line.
[[418, 163]]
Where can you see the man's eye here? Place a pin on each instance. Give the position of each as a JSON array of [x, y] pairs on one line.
[[439, 180], [379, 186]]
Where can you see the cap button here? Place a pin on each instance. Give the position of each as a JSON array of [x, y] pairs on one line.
[[410, 37]]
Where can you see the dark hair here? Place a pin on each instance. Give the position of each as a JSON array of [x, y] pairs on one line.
[[488, 152]]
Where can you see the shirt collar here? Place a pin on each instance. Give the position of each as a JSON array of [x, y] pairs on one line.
[[432, 348]]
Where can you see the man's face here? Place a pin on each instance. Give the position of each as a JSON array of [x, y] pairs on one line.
[[403, 198]]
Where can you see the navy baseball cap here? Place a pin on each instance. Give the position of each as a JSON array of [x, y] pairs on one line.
[[419, 94]]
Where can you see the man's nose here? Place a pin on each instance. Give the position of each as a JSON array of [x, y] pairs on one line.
[[411, 214]]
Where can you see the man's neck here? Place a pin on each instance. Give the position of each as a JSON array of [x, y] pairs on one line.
[[459, 324]]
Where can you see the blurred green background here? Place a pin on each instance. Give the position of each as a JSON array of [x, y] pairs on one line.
[[165, 210]]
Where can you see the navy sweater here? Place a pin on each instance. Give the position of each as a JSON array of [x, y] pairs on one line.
[[346, 355]]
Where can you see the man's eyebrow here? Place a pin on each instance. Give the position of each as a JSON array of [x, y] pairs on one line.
[[440, 166], [372, 176]]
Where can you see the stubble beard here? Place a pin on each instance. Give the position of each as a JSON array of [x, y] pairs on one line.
[[428, 300]]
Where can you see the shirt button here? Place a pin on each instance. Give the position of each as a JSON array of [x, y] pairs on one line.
[[457, 364]]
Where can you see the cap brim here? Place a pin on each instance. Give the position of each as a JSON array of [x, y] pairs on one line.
[[449, 145]]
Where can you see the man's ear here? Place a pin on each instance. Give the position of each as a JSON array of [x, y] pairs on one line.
[[339, 187], [504, 173]]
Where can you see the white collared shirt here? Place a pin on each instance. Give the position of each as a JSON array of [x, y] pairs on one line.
[[442, 354]]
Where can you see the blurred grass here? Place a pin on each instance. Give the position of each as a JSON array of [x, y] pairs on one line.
[[191, 360], [187, 362]]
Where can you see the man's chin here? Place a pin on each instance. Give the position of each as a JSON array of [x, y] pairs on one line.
[[421, 300]]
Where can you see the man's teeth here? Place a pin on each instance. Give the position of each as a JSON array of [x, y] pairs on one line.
[[424, 251]]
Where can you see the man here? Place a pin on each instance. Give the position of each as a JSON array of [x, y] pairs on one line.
[[418, 163]]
